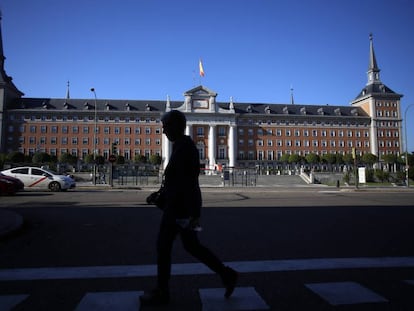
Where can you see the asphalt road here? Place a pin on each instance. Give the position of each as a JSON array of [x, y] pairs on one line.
[[115, 228]]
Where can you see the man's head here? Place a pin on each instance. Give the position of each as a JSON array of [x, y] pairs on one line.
[[173, 124]]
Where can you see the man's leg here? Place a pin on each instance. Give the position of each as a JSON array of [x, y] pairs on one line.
[[193, 246], [160, 295]]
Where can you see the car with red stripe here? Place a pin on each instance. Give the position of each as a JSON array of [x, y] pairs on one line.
[[41, 178]]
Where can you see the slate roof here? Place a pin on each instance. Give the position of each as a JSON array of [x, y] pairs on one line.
[[117, 105], [377, 89]]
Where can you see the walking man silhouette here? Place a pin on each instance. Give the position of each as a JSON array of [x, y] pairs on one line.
[[181, 212]]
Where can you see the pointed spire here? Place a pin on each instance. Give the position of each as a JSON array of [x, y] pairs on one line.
[[2, 58], [373, 70], [292, 102], [67, 91], [168, 106]]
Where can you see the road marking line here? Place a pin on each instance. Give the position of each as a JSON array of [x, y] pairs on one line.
[[243, 298], [109, 301], [345, 293], [128, 271]]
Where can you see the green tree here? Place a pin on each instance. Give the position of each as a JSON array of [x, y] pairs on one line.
[[100, 160], [140, 158], [3, 158], [68, 158], [16, 157], [347, 158], [155, 159], [312, 158], [120, 159], [89, 159], [369, 159], [294, 158], [41, 157]]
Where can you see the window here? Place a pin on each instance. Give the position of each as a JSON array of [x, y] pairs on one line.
[[148, 130], [43, 129], [32, 129], [64, 129], [117, 130], [222, 131], [200, 131], [75, 129], [137, 130], [85, 130], [222, 152]]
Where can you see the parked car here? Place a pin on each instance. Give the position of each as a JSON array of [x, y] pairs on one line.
[[17, 183], [41, 178], [10, 185]]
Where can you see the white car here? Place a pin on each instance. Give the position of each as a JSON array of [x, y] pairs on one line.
[[40, 178]]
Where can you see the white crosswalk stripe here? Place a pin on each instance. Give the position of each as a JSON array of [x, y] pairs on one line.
[[109, 301], [8, 302], [345, 293], [243, 298]]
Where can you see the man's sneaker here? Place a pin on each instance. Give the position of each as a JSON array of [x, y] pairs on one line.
[[156, 297], [229, 278]]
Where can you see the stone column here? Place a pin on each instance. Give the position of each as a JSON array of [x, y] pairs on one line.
[[166, 150], [189, 130], [232, 145], [212, 147]]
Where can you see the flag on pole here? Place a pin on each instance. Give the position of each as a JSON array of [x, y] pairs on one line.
[[200, 66]]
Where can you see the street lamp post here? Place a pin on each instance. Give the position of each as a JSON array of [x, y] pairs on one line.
[[94, 139], [406, 145]]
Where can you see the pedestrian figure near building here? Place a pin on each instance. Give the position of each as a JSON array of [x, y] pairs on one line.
[[181, 212]]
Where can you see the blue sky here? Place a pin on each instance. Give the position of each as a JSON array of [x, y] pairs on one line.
[[252, 50]]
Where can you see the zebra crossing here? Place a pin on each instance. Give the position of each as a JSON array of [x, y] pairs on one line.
[[211, 299]]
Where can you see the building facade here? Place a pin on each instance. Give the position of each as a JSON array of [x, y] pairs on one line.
[[225, 133]]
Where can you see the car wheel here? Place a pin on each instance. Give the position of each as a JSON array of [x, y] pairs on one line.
[[54, 186]]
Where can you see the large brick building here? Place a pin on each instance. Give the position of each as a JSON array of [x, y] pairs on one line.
[[226, 133]]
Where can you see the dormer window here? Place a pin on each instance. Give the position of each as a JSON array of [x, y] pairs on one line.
[[45, 105], [303, 111], [267, 110], [147, 107], [337, 111], [249, 108], [320, 111], [127, 107], [285, 110], [87, 107], [354, 112], [107, 106]]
